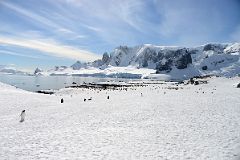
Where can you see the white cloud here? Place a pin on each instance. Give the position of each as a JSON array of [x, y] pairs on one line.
[[96, 29], [64, 30], [70, 34], [115, 22], [52, 48]]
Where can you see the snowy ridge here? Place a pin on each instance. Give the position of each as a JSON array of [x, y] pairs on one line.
[[171, 61]]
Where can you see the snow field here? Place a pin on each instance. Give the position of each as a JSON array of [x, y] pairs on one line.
[[193, 122]]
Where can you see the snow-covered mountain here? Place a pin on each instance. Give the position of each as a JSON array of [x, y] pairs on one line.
[[172, 61], [5, 69], [206, 59]]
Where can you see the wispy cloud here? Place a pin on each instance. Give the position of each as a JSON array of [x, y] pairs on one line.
[[71, 28], [30, 14], [130, 13], [189, 23], [44, 22], [109, 21], [64, 30], [96, 29], [52, 48], [18, 54]]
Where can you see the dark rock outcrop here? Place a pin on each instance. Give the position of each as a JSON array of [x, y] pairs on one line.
[[106, 58], [179, 58], [238, 86], [184, 58], [204, 67], [196, 83], [166, 66], [37, 70], [214, 47], [77, 65]]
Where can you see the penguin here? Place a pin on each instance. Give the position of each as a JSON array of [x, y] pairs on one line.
[[62, 100], [22, 115], [107, 97], [84, 99]]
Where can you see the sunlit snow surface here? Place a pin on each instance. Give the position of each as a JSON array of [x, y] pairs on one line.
[[193, 122]]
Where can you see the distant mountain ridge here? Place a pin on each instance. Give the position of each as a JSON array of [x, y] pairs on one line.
[[5, 69], [214, 59]]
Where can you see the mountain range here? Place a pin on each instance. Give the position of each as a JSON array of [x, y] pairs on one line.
[[151, 61], [6, 69]]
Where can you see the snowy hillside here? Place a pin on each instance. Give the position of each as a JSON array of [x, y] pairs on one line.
[[174, 62], [167, 121]]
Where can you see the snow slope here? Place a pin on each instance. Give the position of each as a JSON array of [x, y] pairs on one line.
[[191, 122]]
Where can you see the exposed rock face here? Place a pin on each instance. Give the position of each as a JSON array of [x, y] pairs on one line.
[[148, 57], [214, 47], [37, 70], [56, 68], [183, 58], [77, 65], [164, 66], [179, 58], [105, 58]]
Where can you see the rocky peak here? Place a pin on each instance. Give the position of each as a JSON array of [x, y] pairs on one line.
[[37, 70]]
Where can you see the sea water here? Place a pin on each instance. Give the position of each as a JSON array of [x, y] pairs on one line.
[[36, 83]]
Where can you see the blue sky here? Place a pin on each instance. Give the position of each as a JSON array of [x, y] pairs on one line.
[[46, 33]]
